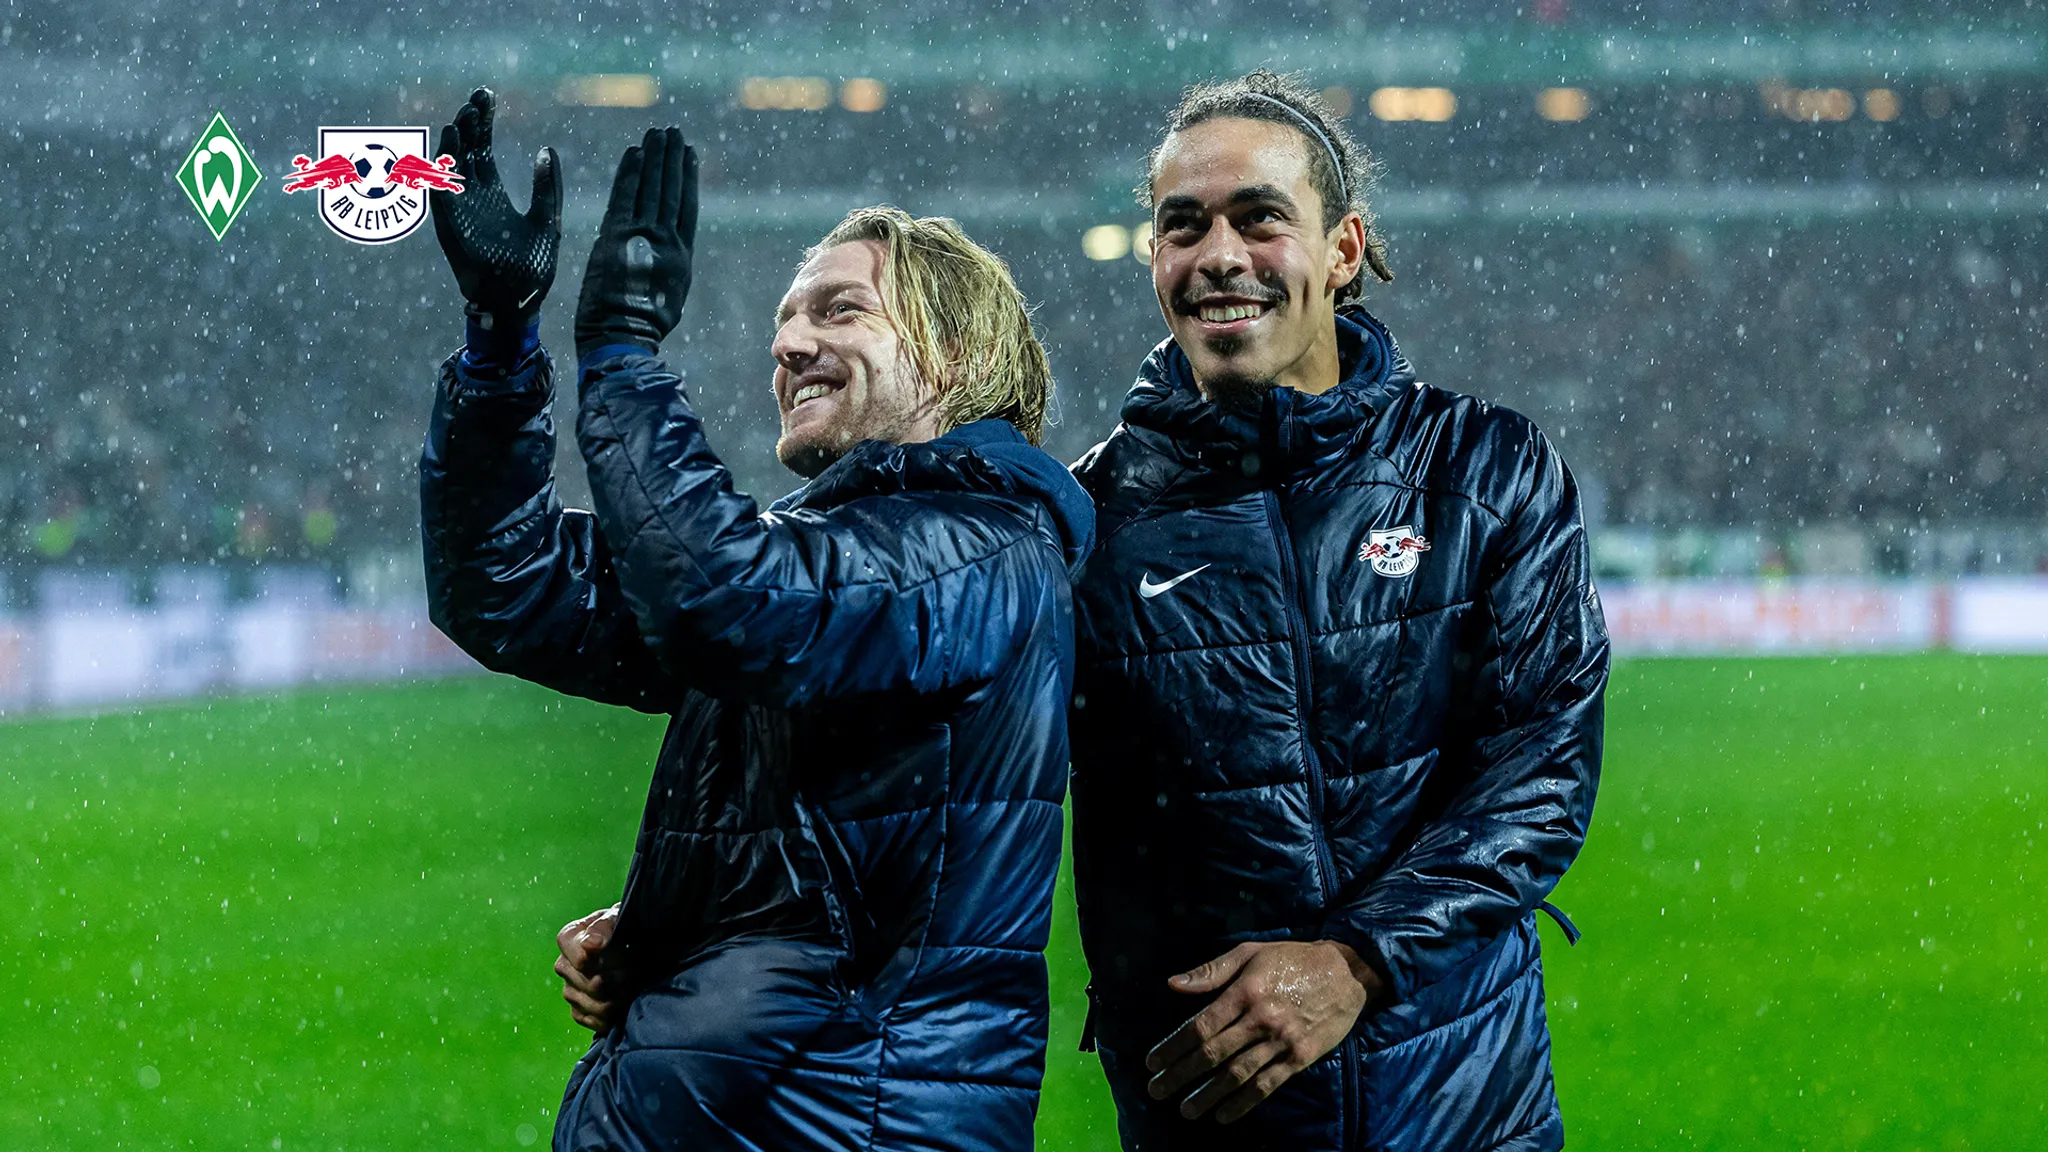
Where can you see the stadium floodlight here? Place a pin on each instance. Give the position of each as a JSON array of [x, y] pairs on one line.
[[863, 94], [1562, 105], [1106, 242], [1429, 104], [609, 90], [1808, 105], [785, 94]]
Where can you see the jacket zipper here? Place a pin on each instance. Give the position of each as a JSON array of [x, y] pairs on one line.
[[1297, 627], [1354, 1091]]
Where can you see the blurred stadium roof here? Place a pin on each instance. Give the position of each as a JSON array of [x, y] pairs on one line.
[[1748, 267], [48, 83]]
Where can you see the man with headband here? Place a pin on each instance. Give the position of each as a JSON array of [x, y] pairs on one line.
[[1337, 721]]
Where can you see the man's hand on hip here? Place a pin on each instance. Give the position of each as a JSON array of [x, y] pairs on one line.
[[582, 942], [1284, 1005]]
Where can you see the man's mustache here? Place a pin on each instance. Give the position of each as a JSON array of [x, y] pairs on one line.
[[1242, 287]]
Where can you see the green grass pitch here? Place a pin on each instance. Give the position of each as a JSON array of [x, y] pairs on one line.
[[325, 920]]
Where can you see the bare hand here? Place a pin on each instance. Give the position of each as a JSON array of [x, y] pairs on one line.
[[582, 942], [1286, 1004]]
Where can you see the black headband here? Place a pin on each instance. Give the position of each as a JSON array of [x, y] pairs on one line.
[[1309, 126]]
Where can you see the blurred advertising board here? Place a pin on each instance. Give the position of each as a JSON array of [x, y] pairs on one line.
[[73, 658], [2000, 614], [16, 688], [1974, 614], [82, 657], [1682, 617]]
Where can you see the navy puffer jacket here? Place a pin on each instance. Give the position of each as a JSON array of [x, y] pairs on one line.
[[834, 921], [1341, 678]]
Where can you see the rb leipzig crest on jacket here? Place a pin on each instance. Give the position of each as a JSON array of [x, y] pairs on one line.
[[1394, 551], [372, 182]]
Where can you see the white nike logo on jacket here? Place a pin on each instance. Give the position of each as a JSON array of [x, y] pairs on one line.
[[1148, 589]]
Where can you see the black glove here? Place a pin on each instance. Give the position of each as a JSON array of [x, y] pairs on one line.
[[639, 271], [503, 261]]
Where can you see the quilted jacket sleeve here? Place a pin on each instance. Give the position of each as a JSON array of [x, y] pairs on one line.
[[521, 584], [1529, 764], [874, 595]]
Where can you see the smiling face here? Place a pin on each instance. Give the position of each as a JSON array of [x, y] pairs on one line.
[[842, 373], [1245, 272]]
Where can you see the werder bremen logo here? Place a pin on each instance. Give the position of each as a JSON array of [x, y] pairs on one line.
[[219, 176]]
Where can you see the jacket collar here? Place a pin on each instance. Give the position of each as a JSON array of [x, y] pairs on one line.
[[1291, 432], [984, 456]]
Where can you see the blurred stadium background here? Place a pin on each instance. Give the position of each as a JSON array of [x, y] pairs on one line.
[[1771, 272]]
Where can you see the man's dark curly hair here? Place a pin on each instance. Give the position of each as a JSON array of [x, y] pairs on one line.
[[1252, 97]]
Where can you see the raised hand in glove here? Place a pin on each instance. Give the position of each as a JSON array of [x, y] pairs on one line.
[[504, 260], [639, 271]]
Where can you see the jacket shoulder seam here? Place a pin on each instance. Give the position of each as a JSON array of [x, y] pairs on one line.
[[1142, 510], [657, 516]]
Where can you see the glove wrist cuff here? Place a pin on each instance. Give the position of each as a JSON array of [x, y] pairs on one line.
[[588, 359], [501, 339], [588, 342]]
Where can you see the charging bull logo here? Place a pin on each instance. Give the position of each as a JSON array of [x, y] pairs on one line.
[[331, 172], [372, 182], [414, 172], [1394, 552]]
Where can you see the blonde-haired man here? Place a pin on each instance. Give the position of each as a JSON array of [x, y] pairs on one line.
[[961, 323], [831, 932]]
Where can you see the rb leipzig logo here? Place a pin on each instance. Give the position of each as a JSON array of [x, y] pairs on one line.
[[372, 181], [1393, 551]]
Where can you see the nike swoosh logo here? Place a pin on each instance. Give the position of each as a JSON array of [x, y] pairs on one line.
[[1148, 589]]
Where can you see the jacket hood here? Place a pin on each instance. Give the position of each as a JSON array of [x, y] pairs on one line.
[[1290, 431], [985, 456]]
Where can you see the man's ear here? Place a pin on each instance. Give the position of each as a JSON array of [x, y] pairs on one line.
[[1347, 251]]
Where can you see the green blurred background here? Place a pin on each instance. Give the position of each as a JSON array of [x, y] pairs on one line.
[[325, 920]]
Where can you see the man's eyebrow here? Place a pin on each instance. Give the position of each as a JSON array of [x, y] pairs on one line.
[[820, 291], [1249, 194], [1262, 194]]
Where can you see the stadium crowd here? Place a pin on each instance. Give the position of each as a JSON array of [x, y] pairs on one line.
[[165, 398]]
